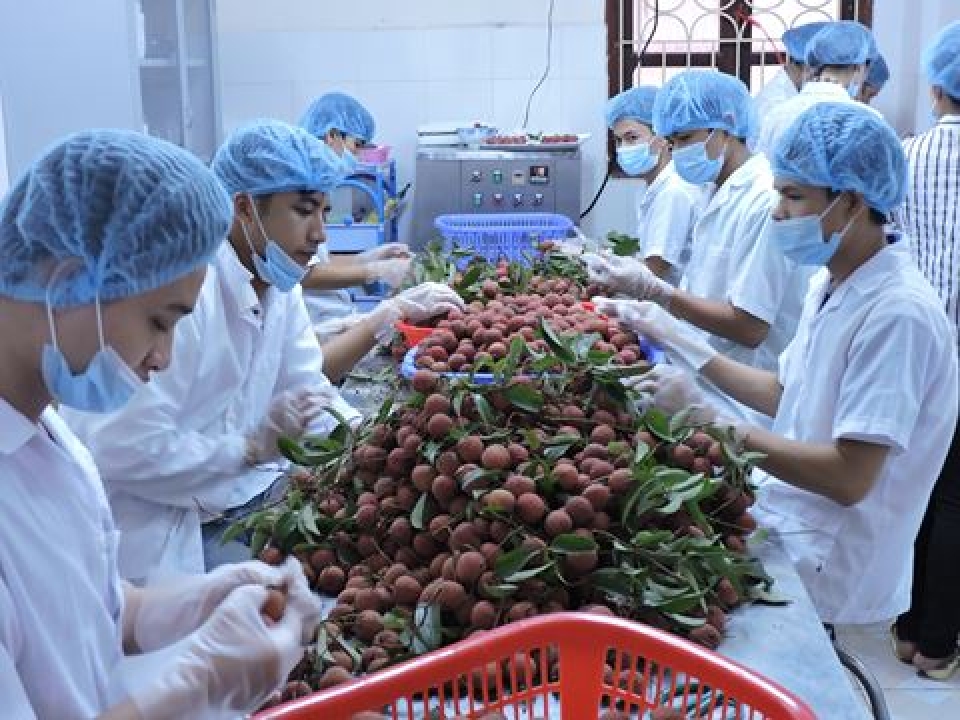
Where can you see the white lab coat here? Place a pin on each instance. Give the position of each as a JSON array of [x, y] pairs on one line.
[[775, 121], [729, 255], [666, 211], [174, 456], [774, 93], [877, 363], [61, 599]]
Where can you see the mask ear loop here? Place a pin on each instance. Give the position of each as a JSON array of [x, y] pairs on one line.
[[246, 233], [263, 232], [54, 277], [96, 304], [59, 270], [850, 222]]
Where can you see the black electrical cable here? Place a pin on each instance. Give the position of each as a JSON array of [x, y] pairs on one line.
[[596, 198], [606, 178], [546, 69]]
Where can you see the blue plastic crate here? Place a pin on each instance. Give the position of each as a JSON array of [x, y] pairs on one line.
[[496, 236], [408, 366]]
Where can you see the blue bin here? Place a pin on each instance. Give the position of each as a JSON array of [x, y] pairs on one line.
[[496, 236], [408, 367]]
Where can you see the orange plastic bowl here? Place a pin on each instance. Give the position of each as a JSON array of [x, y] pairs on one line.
[[413, 334]]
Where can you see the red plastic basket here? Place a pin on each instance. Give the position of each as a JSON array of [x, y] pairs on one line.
[[413, 334], [499, 671]]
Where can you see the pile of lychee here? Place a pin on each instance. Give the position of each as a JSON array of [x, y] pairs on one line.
[[470, 521]]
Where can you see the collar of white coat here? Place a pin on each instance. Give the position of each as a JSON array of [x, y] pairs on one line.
[[16, 430], [949, 120], [875, 271], [237, 279], [658, 183], [823, 88]]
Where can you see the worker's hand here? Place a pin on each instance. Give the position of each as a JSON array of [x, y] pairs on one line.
[[573, 246], [392, 270], [289, 415], [301, 597], [672, 390], [385, 252], [171, 610], [682, 342], [233, 663], [629, 276], [331, 327], [415, 304]]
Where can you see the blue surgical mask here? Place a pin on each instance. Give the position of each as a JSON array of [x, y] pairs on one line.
[[853, 89], [801, 239], [694, 165], [348, 161], [275, 267], [106, 385], [637, 159]]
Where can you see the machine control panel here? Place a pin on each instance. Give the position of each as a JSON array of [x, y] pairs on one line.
[[547, 182]]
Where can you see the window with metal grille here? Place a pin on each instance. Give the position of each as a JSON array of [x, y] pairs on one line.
[[649, 41]]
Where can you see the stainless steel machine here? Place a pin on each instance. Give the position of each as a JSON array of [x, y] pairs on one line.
[[487, 180]]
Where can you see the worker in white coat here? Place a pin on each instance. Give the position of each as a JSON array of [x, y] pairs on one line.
[[346, 336], [788, 80], [865, 397], [741, 293], [104, 242], [666, 205], [343, 123], [837, 58], [197, 448]]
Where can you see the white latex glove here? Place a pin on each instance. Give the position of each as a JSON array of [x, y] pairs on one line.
[[682, 341], [415, 305], [171, 610], [629, 276], [301, 598], [673, 390], [232, 664], [331, 327], [289, 415], [392, 271], [385, 252], [567, 247]]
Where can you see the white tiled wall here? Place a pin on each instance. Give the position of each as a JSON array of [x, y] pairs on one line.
[[417, 61], [423, 61]]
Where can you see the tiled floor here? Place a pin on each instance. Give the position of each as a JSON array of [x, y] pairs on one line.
[[908, 696]]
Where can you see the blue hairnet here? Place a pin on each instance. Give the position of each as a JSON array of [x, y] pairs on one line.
[[636, 104], [844, 147], [796, 38], [126, 213], [270, 156], [941, 60], [878, 73], [844, 42], [705, 99], [338, 111]]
